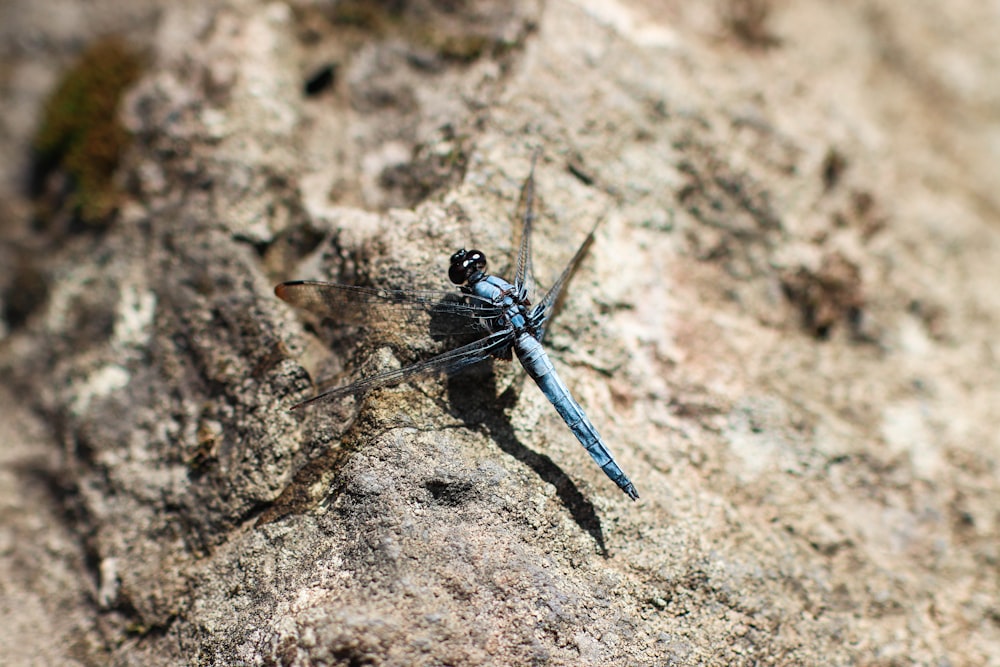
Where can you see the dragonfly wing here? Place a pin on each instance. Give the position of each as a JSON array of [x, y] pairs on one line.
[[524, 274], [550, 302], [423, 312], [449, 362]]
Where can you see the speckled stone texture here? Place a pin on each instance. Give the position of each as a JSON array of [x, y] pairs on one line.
[[786, 331]]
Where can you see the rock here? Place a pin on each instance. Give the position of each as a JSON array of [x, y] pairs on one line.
[[786, 331]]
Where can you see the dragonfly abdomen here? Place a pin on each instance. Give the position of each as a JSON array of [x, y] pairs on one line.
[[538, 365]]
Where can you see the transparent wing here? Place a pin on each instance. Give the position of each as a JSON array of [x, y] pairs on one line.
[[524, 278], [545, 308], [420, 312], [446, 363]]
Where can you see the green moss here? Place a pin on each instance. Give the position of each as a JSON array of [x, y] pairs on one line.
[[80, 134]]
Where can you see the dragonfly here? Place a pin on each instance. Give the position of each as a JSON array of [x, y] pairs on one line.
[[497, 314]]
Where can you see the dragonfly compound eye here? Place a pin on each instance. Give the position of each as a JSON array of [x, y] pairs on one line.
[[465, 264]]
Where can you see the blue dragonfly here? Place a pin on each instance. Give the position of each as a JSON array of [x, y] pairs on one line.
[[498, 314]]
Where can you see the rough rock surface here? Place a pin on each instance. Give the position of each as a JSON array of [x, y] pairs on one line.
[[787, 332]]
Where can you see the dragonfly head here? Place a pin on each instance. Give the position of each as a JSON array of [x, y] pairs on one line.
[[467, 266]]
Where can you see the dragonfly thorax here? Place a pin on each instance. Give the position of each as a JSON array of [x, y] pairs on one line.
[[467, 267]]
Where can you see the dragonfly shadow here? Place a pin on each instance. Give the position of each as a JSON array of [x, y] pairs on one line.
[[473, 399]]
